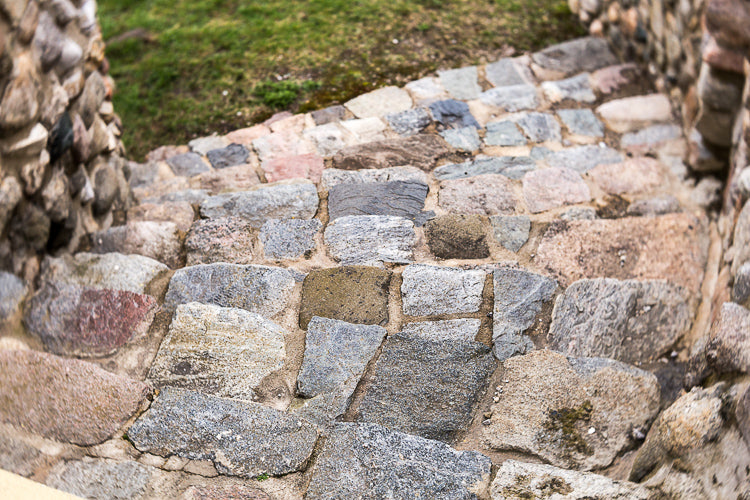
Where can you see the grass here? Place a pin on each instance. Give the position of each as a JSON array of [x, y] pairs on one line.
[[189, 68]]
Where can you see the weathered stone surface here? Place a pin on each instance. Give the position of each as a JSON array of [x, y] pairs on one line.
[[631, 321], [371, 462], [226, 239], [229, 156], [508, 71], [633, 176], [511, 98], [741, 240], [335, 351], [233, 492], [218, 350], [740, 289], [519, 297], [333, 177], [671, 247], [579, 213], [65, 399], [296, 199], [203, 145], [550, 403], [10, 195], [461, 83], [160, 241], [464, 138], [28, 142], [379, 102], [246, 136], [427, 88], [396, 198], [101, 479], [280, 144], [259, 289], [650, 138], [452, 329], [17, 456], [634, 113], [328, 139], [239, 178], [370, 240], [72, 320], [488, 194], [431, 290], [420, 150], [613, 78], [576, 89], [12, 292], [728, 349], [427, 387], [241, 438], [451, 113], [539, 127], [583, 158], [511, 231], [366, 129], [513, 167], [409, 122], [352, 294], [581, 122], [652, 207], [550, 188], [115, 271], [575, 56], [457, 237], [289, 238], [178, 212], [308, 166], [192, 196], [326, 409], [521, 480], [188, 164], [329, 114], [504, 133]]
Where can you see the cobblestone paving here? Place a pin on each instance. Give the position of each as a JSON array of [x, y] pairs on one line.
[[425, 293]]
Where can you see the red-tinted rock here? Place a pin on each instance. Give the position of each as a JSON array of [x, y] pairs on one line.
[[721, 58], [65, 399], [638, 175], [308, 166], [246, 136], [550, 188], [488, 194]]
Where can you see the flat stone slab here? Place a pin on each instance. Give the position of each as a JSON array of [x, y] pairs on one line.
[[259, 289], [289, 238], [461, 83], [409, 122], [421, 151], [511, 98], [65, 399], [309, 166], [575, 56], [371, 462], [231, 492], [114, 271], [511, 231], [101, 479], [464, 138], [577, 88], [333, 176], [550, 403], [463, 329], [325, 410], [648, 138], [539, 127], [432, 290], [634, 113], [370, 240], [519, 297], [458, 237], [651, 207], [160, 241], [451, 113], [203, 145], [188, 164], [427, 387], [335, 351], [396, 198], [504, 133], [218, 350], [355, 294], [581, 122], [512, 167], [365, 130], [671, 247], [488, 194], [225, 239], [379, 102], [71, 320], [284, 200], [12, 292], [508, 71], [241, 438], [583, 158], [631, 321], [522, 480], [633, 176], [549, 188], [191, 196], [280, 144]]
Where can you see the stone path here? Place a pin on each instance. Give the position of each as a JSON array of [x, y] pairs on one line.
[[489, 284]]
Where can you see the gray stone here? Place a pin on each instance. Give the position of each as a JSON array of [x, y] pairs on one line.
[[728, 348], [333, 176], [216, 350], [370, 240], [575, 56], [203, 145], [461, 83], [289, 238], [504, 133], [539, 127], [188, 164], [192, 196], [324, 410], [513, 167], [226, 239], [328, 139], [259, 289], [453, 114], [631, 321], [370, 462], [328, 115], [581, 122], [522, 480], [283, 200], [90, 100], [740, 290], [114, 271], [506, 72], [104, 479], [229, 156], [335, 351], [579, 213], [519, 297], [577, 88], [17, 456], [511, 231], [431, 290], [549, 403], [452, 329], [511, 98], [741, 240], [647, 138], [652, 207], [396, 198], [160, 241], [421, 151], [12, 292], [10, 195], [427, 387], [488, 194], [409, 122], [464, 138], [241, 438]]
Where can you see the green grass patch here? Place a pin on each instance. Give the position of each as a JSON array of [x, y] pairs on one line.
[[189, 68]]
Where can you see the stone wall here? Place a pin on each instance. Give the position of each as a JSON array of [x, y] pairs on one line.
[[61, 159]]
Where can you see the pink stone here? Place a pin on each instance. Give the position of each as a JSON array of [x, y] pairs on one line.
[[281, 115], [638, 175], [294, 123], [613, 78], [178, 212], [279, 145], [246, 136], [309, 166], [65, 399], [81, 139], [550, 188], [237, 178], [160, 241], [720, 58], [488, 194]]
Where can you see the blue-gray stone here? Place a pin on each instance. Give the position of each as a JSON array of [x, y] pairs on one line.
[[398, 198], [582, 122], [99, 478], [576, 89], [188, 164], [465, 138], [504, 133], [230, 156], [461, 83], [12, 292], [540, 127], [289, 238], [583, 158], [575, 56], [513, 167], [511, 231], [451, 329], [512, 98], [540, 152], [409, 122], [504, 72], [651, 136], [451, 113]]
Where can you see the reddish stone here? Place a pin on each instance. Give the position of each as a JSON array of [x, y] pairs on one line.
[[233, 492], [226, 239], [237, 178], [613, 78], [308, 166], [246, 136], [638, 175], [65, 399], [488, 194], [280, 144], [550, 188], [721, 58]]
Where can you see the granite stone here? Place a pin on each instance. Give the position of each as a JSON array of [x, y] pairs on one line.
[[289, 238], [487, 194], [432, 290], [511, 98], [504, 133], [188, 164], [394, 198], [225, 239], [451, 113], [512, 167], [370, 240], [550, 188], [511, 231]]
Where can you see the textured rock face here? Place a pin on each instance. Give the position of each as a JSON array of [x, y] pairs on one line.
[[395, 198], [226, 239], [421, 151], [479, 195], [431, 290], [452, 329], [160, 241], [583, 54], [457, 237], [729, 347], [218, 350], [65, 399], [370, 462], [550, 188], [101, 479], [289, 238], [241, 438], [371, 240]]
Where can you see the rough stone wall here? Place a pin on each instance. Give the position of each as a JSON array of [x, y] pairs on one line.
[[61, 165]]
